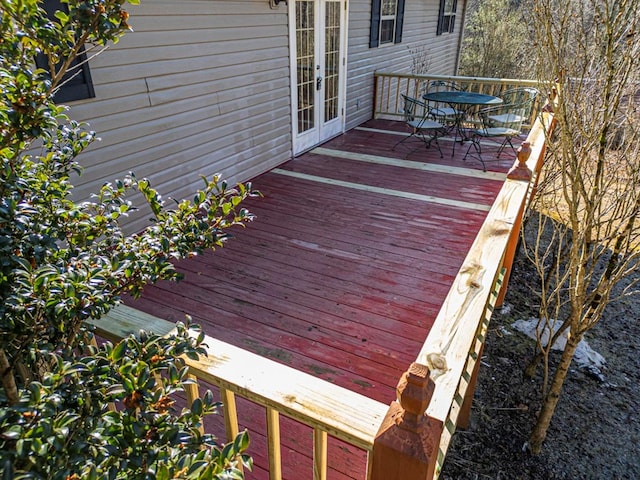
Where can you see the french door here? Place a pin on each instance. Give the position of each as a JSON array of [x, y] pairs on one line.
[[318, 33]]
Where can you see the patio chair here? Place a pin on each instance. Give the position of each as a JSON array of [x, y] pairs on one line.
[[501, 124], [416, 116], [446, 115], [523, 96]]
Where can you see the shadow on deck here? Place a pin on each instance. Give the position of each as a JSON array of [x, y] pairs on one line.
[[341, 275]]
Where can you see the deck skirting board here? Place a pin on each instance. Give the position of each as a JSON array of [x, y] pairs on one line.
[[384, 191], [427, 167]]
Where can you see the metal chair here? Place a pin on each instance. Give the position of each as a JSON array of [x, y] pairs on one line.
[[446, 115], [416, 116], [523, 96], [503, 122]]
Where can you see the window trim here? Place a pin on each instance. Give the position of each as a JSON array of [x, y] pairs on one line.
[[451, 17], [376, 20]]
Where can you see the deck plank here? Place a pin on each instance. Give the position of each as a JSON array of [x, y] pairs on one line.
[[338, 276]]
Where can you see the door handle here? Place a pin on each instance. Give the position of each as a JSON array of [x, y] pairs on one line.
[[318, 83]]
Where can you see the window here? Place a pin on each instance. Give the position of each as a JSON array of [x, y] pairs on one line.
[[386, 22], [76, 84], [447, 16]]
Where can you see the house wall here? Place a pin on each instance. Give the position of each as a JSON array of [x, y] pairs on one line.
[[199, 87], [203, 87], [419, 35]]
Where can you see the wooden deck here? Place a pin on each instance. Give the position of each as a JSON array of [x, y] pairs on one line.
[[352, 252]]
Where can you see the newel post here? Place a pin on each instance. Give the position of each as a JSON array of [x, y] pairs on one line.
[[519, 171], [407, 443]]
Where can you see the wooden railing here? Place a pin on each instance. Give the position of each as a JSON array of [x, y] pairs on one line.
[[407, 440], [327, 408], [453, 347], [389, 87]]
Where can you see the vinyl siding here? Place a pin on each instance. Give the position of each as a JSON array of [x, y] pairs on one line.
[[419, 30], [200, 87]]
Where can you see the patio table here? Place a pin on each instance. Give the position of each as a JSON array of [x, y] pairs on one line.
[[463, 101]]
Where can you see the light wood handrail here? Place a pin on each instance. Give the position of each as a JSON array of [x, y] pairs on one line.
[[454, 344], [328, 408]]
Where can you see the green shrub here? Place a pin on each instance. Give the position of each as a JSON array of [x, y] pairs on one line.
[[63, 261], [63, 427]]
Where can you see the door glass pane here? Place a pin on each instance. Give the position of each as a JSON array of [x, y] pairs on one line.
[[331, 59], [305, 64]]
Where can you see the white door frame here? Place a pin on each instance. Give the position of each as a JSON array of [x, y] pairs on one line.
[[319, 131]]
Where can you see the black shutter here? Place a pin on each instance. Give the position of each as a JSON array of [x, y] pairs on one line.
[[374, 34], [76, 84], [399, 20], [440, 18]]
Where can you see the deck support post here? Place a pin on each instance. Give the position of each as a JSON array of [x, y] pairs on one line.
[[407, 443]]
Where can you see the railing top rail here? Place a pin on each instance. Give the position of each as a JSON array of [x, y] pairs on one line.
[[461, 79], [341, 413], [447, 345]]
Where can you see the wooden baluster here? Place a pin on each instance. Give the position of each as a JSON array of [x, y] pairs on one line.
[[319, 454], [230, 413], [160, 381], [397, 94], [464, 415], [376, 94], [228, 399], [191, 389], [273, 442], [407, 443]]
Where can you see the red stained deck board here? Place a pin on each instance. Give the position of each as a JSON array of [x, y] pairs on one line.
[[337, 194], [420, 225], [347, 250], [326, 361], [381, 225], [395, 248], [456, 187], [293, 318], [317, 294], [341, 283], [300, 274], [390, 280]]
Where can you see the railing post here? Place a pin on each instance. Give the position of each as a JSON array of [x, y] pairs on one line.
[[407, 443], [519, 171], [376, 93]]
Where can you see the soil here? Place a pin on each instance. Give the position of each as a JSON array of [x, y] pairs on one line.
[[595, 432]]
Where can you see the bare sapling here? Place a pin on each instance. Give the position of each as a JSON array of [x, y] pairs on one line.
[[586, 236]]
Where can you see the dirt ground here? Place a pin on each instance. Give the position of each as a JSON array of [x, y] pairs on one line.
[[595, 433]]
